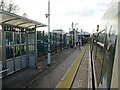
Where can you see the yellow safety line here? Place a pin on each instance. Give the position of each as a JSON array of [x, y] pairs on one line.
[[66, 82]]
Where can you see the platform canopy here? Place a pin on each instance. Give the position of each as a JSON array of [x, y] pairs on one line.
[[16, 20]]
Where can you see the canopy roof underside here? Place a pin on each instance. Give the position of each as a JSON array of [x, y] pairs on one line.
[[16, 20]]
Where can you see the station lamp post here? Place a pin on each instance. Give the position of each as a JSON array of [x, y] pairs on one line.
[[48, 16]]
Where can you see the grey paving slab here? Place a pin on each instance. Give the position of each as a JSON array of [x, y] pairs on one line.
[[27, 76], [52, 78], [81, 79], [19, 79]]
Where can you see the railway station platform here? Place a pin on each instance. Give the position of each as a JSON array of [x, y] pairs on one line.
[[69, 68]]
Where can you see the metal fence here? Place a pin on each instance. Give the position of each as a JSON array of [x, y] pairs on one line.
[[58, 42]]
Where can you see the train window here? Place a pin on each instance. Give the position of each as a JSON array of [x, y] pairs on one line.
[[101, 37], [0, 27], [105, 55], [0, 53]]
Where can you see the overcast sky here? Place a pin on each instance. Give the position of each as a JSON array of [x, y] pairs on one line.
[[87, 13]]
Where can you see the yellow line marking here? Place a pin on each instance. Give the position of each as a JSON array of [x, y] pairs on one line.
[[67, 80]]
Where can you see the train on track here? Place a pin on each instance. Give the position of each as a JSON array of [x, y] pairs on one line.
[[105, 49]]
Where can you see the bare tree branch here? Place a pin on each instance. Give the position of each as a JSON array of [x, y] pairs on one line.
[[9, 6], [25, 15]]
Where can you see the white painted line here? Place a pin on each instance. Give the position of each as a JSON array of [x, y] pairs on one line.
[[78, 84], [77, 87], [89, 71], [94, 74]]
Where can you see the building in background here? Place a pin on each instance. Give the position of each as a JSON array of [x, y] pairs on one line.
[[60, 31]]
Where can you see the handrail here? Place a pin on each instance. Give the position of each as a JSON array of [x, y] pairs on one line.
[[101, 44], [4, 70]]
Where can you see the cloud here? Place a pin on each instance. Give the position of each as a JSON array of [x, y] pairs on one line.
[[63, 12], [87, 8], [102, 4], [80, 13]]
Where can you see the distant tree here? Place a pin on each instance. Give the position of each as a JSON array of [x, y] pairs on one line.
[[25, 15], [9, 6]]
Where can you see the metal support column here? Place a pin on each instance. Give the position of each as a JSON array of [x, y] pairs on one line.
[[3, 51], [3, 48], [27, 48], [35, 42], [49, 58]]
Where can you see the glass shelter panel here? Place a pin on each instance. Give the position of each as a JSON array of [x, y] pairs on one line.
[[17, 37], [23, 39], [9, 38], [17, 51], [31, 49], [9, 52], [23, 50], [17, 64], [17, 41], [31, 38], [10, 66]]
